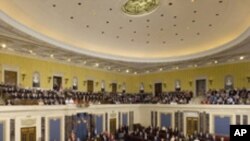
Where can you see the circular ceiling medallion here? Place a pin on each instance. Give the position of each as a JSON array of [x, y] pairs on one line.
[[139, 7]]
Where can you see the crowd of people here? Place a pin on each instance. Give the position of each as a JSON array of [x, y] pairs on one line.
[[161, 134], [141, 133], [234, 96], [13, 95], [21, 96]]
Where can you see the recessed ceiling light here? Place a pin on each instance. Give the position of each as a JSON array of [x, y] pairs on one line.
[[51, 55], [3, 45], [69, 60], [147, 71], [192, 0], [177, 67], [127, 71], [84, 62], [31, 51], [135, 72], [195, 65], [215, 61], [160, 69], [96, 64], [242, 57]]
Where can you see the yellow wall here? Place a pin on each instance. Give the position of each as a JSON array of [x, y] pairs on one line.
[[187, 77], [48, 68], [216, 73]]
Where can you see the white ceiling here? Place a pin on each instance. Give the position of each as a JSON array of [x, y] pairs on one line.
[[179, 33]]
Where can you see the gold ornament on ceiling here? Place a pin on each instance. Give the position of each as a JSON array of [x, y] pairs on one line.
[[139, 7]]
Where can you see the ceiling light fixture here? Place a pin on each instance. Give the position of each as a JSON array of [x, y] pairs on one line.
[[135, 72], [69, 60], [215, 61], [51, 55], [3, 45], [242, 57], [127, 71], [96, 64], [160, 69]]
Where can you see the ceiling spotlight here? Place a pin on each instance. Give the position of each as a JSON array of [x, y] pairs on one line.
[[195, 65], [127, 71], [3, 45], [160, 69], [192, 0], [177, 67], [96, 64], [147, 71], [51, 55], [84, 62], [215, 61], [31, 51], [135, 72], [242, 57], [69, 60]]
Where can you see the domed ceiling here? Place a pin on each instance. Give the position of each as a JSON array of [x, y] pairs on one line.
[[135, 31]]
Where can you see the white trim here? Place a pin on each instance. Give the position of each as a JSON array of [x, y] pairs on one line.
[[6, 18]]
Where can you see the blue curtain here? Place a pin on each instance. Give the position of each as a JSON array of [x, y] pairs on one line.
[[124, 119], [99, 124], [222, 125], [166, 120], [1, 132], [54, 130], [81, 126]]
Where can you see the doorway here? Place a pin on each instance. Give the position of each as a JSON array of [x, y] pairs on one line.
[[28, 134], [200, 87], [112, 125], [57, 82], [114, 88], [158, 89], [10, 77], [192, 125], [90, 86]]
